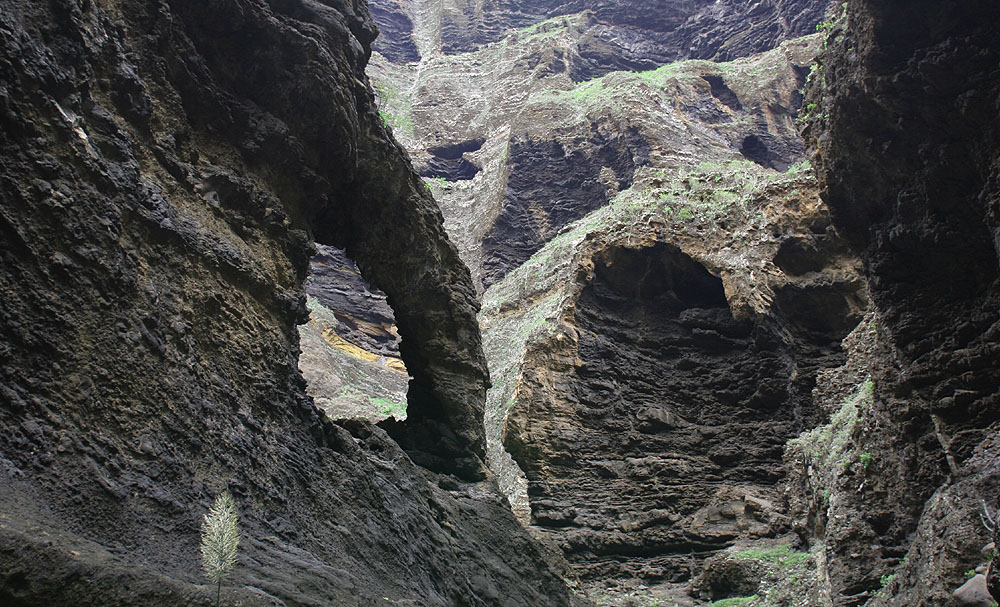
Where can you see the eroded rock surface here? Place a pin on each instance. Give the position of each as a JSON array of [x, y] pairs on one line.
[[164, 168], [620, 34], [350, 345], [650, 371], [545, 151], [906, 135]]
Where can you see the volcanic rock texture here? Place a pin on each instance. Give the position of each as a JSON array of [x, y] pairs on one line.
[[663, 369], [164, 167], [520, 150], [661, 286], [620, 34], [906, 133]]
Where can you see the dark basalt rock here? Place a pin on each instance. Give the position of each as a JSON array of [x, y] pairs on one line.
[[550, 186], [164, 167], [395, 40], [629, 34], [449, 162], [723, 93], [907, 145]]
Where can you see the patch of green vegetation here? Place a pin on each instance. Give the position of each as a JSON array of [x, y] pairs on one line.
[[732, 602], [387, 407], [394, 107], [782, 556], [829, 25], [708, 192], [583, 94], [663, 75], [831, 450], [800, 167], [544, 29], [350, 392], [436, 185]]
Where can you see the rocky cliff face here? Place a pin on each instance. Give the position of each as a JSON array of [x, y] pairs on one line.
[[518, 150], [661, 286], [165, 167], [906, 135], [629, 34], [651, 377]]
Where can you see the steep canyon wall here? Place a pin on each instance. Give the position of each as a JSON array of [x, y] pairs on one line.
[[905, 132], [166, 167]]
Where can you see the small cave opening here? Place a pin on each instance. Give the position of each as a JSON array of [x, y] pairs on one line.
[[798, 256], [723, 93], [449, 161], [676, 411], [350, 354], [667, 279], [755, 150], [822, 314]]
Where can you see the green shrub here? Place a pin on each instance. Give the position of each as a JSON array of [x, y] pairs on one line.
[[740, 600]]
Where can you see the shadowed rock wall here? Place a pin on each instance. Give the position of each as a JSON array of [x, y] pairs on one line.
[[651, 365], [906, 136], [673, 413], [164, 167]]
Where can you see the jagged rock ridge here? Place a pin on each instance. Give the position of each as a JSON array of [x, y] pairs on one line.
[[548, 151]]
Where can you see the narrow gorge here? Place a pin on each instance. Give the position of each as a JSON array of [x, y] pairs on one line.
[[638, 303]]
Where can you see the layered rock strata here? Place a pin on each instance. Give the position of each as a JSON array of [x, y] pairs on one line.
[[687, 149], [651, 365], [546, 151], [350, 346], [905, 130], [165, 166], [619, 35]]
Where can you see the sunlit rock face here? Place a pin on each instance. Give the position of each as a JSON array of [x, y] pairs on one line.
[[350, 346], [166, 169], [629, 34], [661, 286], [515, 150], [650, 417]]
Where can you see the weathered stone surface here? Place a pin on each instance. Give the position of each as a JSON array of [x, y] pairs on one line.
[[904, 124], [163, 166], [620, 34], [650, 374], [349, 349], [973, 592], [548, 151], [363, 315], [396, 36]]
